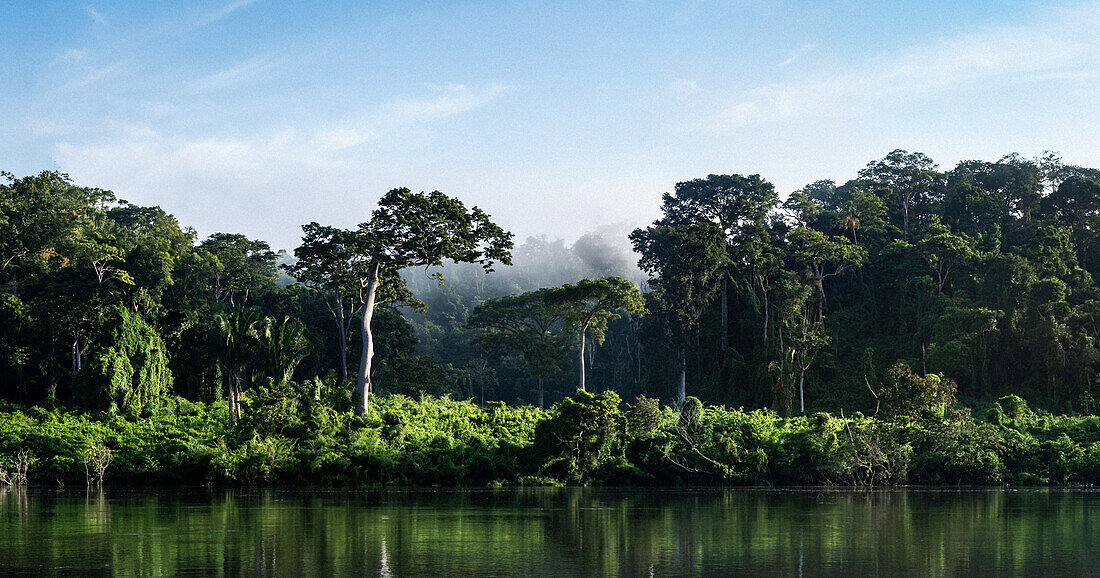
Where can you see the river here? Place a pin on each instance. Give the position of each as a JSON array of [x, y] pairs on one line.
[[550, 532]]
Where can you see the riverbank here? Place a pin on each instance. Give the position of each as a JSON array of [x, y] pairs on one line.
[[586, 440]]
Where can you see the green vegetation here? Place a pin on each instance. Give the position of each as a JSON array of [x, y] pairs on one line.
[[288, 437], [132, 351]]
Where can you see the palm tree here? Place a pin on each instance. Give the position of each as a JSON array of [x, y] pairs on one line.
[[849, 221], [238, 333], [285, 347]]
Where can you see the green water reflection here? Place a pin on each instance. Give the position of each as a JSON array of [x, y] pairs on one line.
[[549, 531]]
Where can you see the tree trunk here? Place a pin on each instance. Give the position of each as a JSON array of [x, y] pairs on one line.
[[801, 391], [725, 314], [819, 277], [342, 332], [76, 357], [764, 290], [905, 212], [681, 392], [362, 382], [540, 389], [583, 331], [234, 396]]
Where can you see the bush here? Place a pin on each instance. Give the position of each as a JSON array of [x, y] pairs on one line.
[[287, 437], [906, 393], [583, 438]]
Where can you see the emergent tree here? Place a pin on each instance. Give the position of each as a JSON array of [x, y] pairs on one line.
[[590, 304], [411, 230]]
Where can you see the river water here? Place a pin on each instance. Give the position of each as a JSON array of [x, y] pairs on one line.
[[549, 532]]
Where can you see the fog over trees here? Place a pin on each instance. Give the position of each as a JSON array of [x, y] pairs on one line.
[[740, 295]]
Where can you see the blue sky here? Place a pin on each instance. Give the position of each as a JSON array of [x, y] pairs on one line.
[[554, 117]]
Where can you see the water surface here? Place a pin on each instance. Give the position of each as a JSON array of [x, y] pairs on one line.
[[549, 531]]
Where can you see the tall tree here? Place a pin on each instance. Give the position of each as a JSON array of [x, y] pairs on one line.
[[590, 304], [908, 177], [944, 250], [824, 256], [327, 261], [762, 258], [246, 266], [412, 230], [37, 213], [738, 204], [156, 247], [686, 264], [863, 209], [801, 336]]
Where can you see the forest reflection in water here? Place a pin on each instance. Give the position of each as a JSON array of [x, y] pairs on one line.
[[549, 531]]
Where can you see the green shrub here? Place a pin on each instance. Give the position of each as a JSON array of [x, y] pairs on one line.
[[286, 437], [583, 438]]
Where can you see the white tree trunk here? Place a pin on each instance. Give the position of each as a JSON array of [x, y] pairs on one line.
[[801, 394], [234, 396], [582, 359], [362, 382]]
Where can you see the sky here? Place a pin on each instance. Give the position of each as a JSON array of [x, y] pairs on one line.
[[556, 118]]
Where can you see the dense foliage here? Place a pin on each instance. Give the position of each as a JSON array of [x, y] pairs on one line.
[[893, 295], [291, 437]]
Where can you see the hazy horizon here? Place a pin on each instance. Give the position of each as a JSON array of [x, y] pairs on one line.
[[256, 116]]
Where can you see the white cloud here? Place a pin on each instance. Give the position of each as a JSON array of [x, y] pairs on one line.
[[215, 178], [684, 88], [225, 78], [226, 10], [400, 115], [1062, 46], [455, 99], [95, 15], [70, 56], [328, 141], [797, 54], [225, 183]]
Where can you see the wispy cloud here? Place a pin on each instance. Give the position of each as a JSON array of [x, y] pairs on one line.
[[453, 99], [391, 118], [193, 176], [1062, 46], [140, 156], [95, 15], [797, 54], [69, 57], [226, 10], [230, 76], [684, 88], [330, 140]]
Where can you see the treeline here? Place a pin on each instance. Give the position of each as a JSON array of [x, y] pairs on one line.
[[981, 275], [108, 306]]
